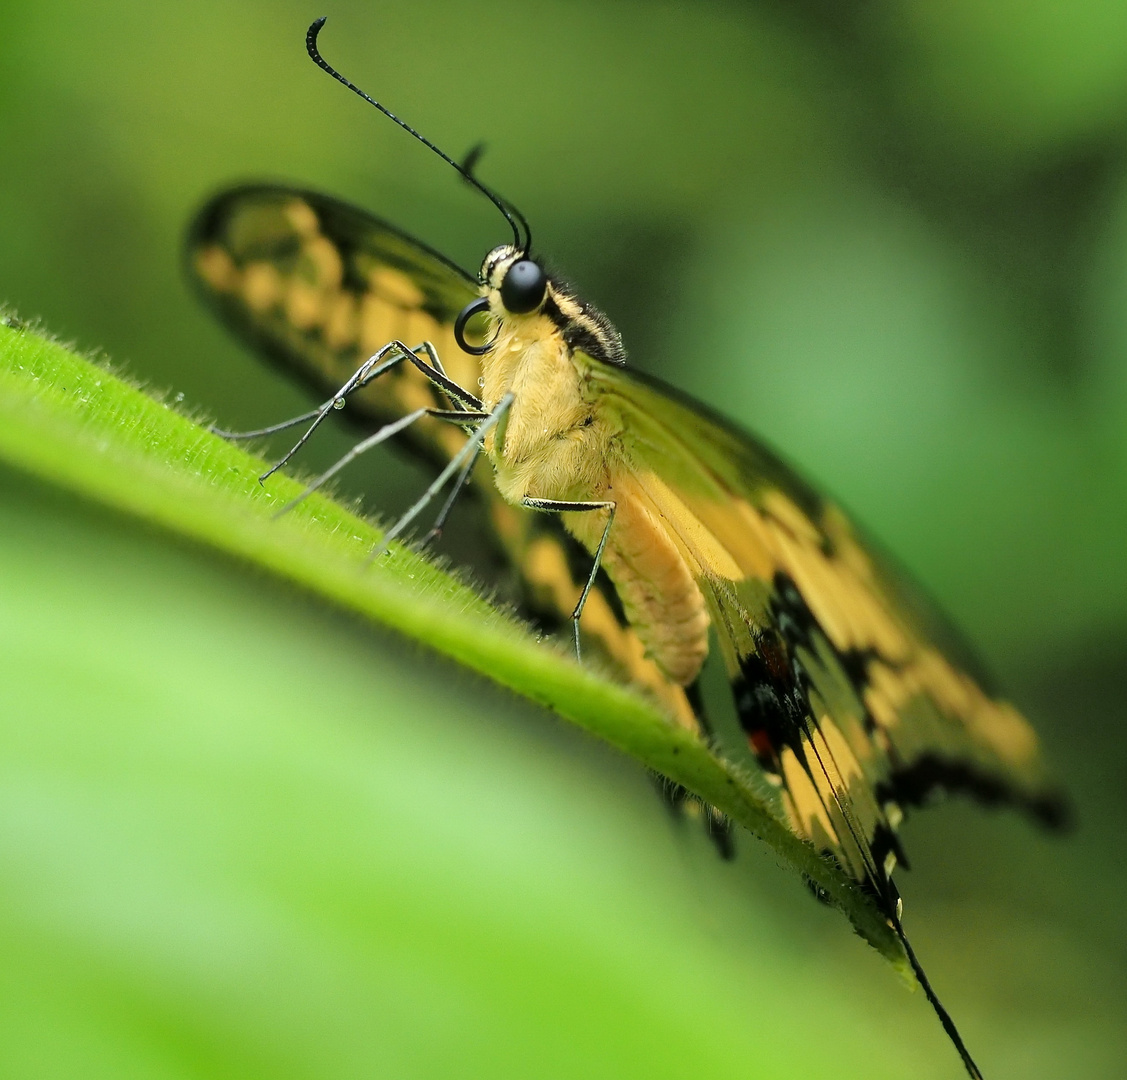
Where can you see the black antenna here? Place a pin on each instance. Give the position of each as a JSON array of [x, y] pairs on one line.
[[468, 168], [511, 214]]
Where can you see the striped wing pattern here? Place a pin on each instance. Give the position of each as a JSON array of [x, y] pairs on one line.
[[320, 286], [844, 682]]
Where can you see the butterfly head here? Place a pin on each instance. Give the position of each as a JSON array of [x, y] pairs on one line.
[[522, 298], [516, 290]]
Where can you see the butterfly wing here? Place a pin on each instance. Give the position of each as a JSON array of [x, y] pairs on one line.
[[854, 696], [319, 286]]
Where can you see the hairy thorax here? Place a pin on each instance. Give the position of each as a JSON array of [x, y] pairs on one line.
[[551, 444]]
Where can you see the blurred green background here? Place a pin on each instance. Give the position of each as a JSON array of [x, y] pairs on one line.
[[241, 836]]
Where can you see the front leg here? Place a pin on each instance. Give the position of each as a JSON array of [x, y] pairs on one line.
[[557, 506], [391, 355], [458, 462], [454, 416]]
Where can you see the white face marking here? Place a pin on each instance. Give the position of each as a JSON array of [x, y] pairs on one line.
[[495, 264]]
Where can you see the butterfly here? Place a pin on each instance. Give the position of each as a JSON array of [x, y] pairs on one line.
[[669, 537]]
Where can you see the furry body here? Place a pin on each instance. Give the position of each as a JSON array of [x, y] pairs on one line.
[[559, 443]]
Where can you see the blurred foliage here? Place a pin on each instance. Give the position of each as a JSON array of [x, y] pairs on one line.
[[890, 236]]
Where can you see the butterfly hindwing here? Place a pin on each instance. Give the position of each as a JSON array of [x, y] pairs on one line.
[[319, 286]]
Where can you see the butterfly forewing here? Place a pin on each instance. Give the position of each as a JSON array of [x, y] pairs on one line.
[[841, 681]]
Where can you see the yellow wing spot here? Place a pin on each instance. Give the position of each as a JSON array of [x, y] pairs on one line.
[[300, 216], [852, 828], [894, 815], [840, 532], [322, 258], [821, 757], [305, 305], [378, 321], [929, 677], [396, 288], [418, 327], [842, 752], [1005, 729], [217, 268], [787, 512], [342, 322], [843, 700], [848, 609], [846, 776], [744, 533], [262, 287]]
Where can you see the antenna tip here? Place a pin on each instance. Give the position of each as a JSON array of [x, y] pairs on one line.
[[312, 32]]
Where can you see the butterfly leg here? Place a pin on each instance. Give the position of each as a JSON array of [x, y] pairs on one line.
[[384, 433], [455, 491], [438, 376], [371, 369], [361, 377], [559, 507], [273, 429], [432, 355], [361, 447], [458, 462]]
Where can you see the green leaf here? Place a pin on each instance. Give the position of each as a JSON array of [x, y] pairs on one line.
[[76, 425]]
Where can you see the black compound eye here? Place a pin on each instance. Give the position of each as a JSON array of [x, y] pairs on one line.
[[523, 287]]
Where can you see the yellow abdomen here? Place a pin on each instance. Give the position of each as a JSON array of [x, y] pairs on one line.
[[655, 582]]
